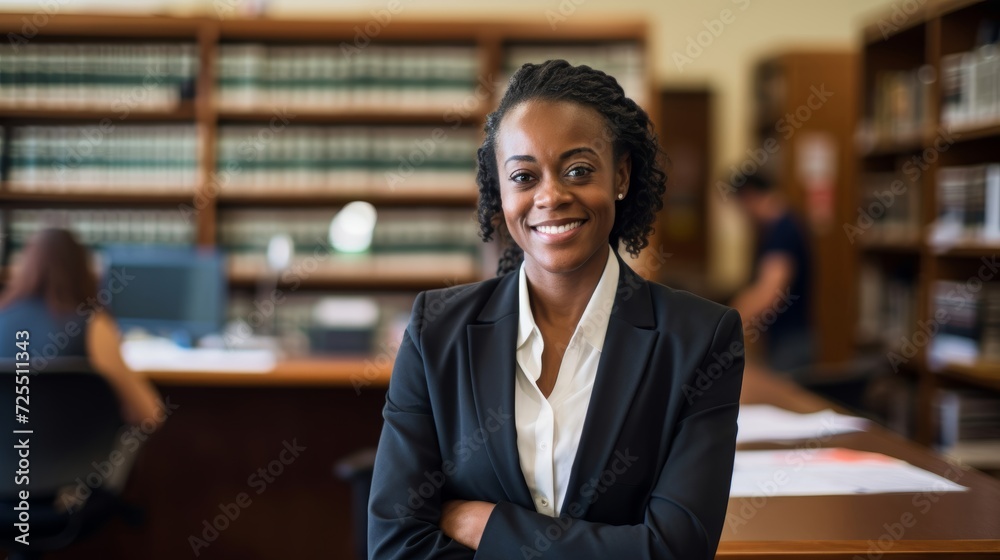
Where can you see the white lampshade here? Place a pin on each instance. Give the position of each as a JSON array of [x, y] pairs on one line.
[[352, 228]]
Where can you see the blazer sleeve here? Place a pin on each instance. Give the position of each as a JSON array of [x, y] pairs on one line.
[[686, 508], [402, 522]]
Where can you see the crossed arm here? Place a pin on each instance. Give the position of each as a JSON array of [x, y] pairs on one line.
[[684, 513]]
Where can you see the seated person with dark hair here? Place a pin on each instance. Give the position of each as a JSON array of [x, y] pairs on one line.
[[775, 306], [53, 295]]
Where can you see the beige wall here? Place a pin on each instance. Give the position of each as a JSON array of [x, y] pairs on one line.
[[757, 28]]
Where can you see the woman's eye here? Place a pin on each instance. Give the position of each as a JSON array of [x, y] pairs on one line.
[[578, 172], [520, 177]]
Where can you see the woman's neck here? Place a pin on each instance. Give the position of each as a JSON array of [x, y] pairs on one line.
[[559, 299]]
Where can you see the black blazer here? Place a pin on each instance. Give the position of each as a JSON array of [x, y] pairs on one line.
[[651, 476]]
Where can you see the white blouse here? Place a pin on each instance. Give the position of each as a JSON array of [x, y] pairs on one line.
[[548, 430]]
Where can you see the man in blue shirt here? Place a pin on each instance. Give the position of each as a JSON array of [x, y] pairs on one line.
[[776, 304]]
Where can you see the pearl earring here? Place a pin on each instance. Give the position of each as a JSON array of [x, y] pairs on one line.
[[621, 196]]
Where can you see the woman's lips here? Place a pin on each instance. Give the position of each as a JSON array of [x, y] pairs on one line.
[[555, 233]]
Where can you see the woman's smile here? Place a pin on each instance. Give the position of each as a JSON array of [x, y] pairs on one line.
[[558, 231]]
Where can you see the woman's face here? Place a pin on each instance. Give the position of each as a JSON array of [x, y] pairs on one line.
[[558, 183]]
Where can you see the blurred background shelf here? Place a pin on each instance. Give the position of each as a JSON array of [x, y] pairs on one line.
[[885, 246], [49, 198], [184, 112], [387, 115], [986, 376], [364, 280], [271, 133], [967, 250], [927, 77], [965, 134], [438, 199]]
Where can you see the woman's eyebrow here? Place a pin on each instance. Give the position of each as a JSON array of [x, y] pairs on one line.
[[564, 155], [574, 151], [529, 159]]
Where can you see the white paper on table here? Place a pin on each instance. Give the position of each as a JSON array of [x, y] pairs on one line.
[[829, 472], [163, 355], [764, 422]]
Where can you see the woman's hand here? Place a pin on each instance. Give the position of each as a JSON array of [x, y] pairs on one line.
[[465, 520]]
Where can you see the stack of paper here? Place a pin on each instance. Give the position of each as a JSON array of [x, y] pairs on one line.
[[828, 472], [163, 355], [763, 422]]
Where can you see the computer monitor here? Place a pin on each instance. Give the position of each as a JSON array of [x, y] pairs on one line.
[[180, 293]]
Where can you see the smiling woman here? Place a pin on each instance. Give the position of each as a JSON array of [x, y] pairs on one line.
[[551, 411], [558, 206], [587, 109]]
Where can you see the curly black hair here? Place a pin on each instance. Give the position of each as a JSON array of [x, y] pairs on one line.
[[629, 131]]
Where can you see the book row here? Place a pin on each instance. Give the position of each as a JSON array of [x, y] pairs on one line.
[[395, 230], [970, 87], [125, 77], [104, 226], [254, 76], [968, 200], [114, 77], [967, 206], [968, 322], [964, 317], [887, 312], [889, 208], [164, 158], [348, 160], [116, 158], [968, 418], [901, 106], [404, 242]]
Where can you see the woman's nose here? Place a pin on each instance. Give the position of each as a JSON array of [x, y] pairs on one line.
[[550, 193]]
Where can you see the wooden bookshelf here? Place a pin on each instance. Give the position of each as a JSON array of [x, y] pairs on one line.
[[936, 30], [490, 43], [51, 197], [966, 250], [387, 116], [489, 39], [880, 246], [183, 113], [887, 148], [444, 198], [986, 376], [979, 132]]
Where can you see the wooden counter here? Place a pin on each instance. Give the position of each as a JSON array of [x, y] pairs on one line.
[[229, 425], [904, 525]]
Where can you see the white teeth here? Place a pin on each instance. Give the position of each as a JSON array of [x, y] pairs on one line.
[[559, 229]]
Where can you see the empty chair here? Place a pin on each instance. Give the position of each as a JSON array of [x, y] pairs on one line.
[[79, 453]]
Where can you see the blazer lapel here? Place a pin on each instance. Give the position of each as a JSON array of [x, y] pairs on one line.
[[492, 360], [629, 342]]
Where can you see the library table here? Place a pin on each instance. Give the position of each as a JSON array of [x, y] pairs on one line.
[[875, 526]]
